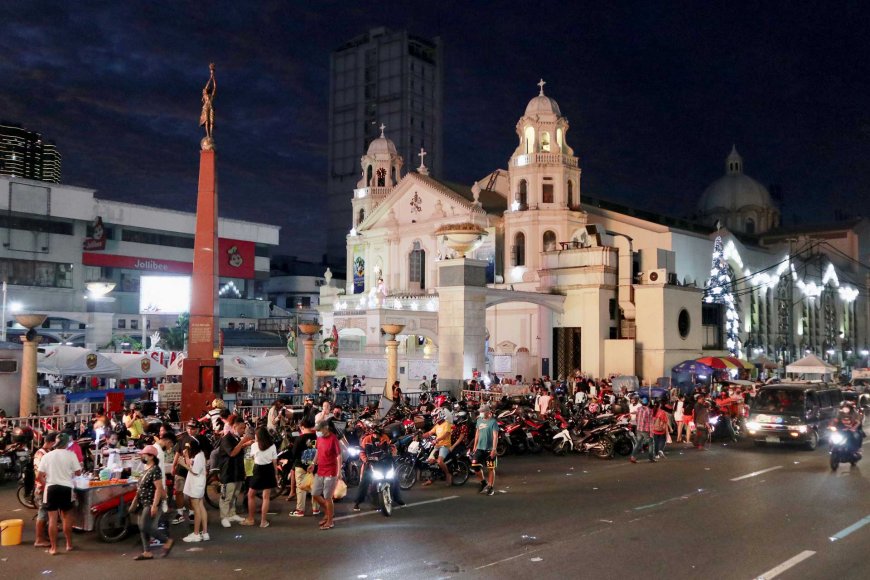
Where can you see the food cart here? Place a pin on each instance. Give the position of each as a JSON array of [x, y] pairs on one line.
[[110, 483]]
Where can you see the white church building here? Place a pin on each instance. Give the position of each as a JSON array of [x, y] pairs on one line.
[[561, 280]]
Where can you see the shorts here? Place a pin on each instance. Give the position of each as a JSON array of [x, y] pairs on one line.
[[58, 498], [481, 457], [324, 486], [443, 452], [41, 512]]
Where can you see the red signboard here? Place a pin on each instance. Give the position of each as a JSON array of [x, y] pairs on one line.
[[134, 263], [235, 260]]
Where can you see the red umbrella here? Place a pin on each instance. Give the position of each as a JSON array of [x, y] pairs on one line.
[[714, 362]]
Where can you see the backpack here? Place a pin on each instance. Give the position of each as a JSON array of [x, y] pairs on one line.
[[308, 455]]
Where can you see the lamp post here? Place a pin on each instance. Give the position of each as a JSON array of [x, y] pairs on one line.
[[30, 341]]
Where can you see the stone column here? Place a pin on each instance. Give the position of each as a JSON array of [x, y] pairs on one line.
[[308, 375], [461, 321], [27, 399], [392, 355]]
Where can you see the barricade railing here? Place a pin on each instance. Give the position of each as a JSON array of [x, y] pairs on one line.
[[483, 396]]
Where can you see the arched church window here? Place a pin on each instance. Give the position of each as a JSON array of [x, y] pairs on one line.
[[523, 194], [750, 226], [362, 216], [530, 140], [570, 194], [417, 267], [545, 141], [519, 250], [369, 176], [393, 179], [382, 177], [560, 143], [549, 241]]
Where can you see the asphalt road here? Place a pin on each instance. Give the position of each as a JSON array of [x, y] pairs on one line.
[[734, 511]]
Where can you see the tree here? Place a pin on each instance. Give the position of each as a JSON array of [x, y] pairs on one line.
[[720, 290], [176, 337]]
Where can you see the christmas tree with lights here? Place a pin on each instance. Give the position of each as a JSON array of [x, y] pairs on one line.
[[720, 290]]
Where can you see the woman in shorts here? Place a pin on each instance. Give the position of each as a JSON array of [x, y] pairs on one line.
[[264, 480]]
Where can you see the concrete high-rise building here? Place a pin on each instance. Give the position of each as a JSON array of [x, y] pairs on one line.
[[24, 154], [379, 78]]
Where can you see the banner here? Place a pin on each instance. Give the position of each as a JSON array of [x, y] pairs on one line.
[[359, 275], [235, 258]]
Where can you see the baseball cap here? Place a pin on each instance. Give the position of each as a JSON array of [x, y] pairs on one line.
[[192, 423], [150, 450]]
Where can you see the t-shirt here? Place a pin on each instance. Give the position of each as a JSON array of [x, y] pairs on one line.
[[37, 459], [194, 484], [264, 456], [59, 467], [299, 447], [486, 430], [214, 416], [328, 452], [232, 468], [442, 434]]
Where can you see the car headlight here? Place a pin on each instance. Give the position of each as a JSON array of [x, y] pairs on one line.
[[377, 474], [753, 426], [837, 438], [391, 473], [802, 429]]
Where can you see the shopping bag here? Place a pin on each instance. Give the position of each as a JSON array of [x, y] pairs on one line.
[[307, 482], [340, 489]]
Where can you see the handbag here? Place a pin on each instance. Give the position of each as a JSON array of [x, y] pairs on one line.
[[340, 489], [306, 483]]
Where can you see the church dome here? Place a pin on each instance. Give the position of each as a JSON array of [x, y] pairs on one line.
[[734, 190], [382, 146], [542, 104]]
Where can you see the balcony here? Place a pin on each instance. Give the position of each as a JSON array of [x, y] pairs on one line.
[[544, 159]]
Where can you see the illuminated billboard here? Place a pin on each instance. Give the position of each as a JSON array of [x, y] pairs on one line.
[[164, 294]]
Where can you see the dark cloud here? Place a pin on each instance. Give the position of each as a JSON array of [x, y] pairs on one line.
[[656, 94]]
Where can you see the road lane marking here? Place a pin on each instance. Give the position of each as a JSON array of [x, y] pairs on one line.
[[853, 528], [663, 502], [508, 559], [791, 562], [406, 506], [754, 473]]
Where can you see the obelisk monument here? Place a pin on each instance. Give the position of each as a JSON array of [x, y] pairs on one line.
[[201, 369]]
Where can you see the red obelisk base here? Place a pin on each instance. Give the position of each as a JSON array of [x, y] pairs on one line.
[[200, 382]]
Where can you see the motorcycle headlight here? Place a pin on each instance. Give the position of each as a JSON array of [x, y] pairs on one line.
[[391, 473], [801, 428], [837, 438], [713, 420], [353, 451], [377, 474], [753, 426]]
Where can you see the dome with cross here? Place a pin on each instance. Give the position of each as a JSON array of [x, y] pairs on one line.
[[382, 145], [542, 104]]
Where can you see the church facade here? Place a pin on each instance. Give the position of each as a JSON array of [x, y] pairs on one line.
[[572, 281]]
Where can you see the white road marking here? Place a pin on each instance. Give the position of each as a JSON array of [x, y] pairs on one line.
[[508, 559], [791, 562], [853, 528], [754, 473], [406, 506]]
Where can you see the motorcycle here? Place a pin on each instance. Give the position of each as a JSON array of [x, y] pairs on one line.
[[517, 438], [598, 440], [419, 466], [112, 521], [383, 477], [840, 452], [27, 483]]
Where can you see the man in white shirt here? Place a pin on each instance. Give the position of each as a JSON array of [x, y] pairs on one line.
[[56, 472]]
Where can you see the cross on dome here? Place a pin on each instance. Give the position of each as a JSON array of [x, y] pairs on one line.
[[382, 127], [541, 84]]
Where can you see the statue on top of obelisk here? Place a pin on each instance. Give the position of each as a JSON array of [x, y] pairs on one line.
[[206, 118]]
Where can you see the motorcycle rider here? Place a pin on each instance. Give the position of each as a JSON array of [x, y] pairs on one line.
[[441, 431], [374, 440], [459, 433], [848, 423]]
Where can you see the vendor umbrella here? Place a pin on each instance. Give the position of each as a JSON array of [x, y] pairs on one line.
[[745, 364], [717, 362], [692, 366]]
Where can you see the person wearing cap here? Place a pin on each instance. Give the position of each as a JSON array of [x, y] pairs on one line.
[[48, 443], [56, 472], [150, 496], [180, 472], [484, 449], [644, 431]]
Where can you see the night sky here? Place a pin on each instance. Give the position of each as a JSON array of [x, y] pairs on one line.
[[656, 93]]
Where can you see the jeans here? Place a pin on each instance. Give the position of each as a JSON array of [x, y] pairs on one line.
[[301, 495], [230, 493], [643, 438], [355, 395], [659, 442], [148, 528]]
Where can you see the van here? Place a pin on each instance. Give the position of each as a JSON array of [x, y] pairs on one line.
[[793, 413]]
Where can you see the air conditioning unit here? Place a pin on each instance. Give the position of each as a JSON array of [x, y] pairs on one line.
[[659, 276]]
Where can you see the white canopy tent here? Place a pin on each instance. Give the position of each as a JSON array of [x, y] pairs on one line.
[[136, 366], [76, 362], [246, 366], [810, 365]]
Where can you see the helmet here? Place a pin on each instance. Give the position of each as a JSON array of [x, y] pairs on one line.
[[424, 397], [644, 401], [460, 417], [217, 404]]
